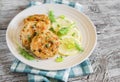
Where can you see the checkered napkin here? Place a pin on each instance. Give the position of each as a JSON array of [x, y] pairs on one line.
[[35, 75]]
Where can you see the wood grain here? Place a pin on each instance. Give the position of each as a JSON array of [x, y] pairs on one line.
[[105, 59]]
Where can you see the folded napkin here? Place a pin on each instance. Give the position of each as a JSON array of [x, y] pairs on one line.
[[36, 75]]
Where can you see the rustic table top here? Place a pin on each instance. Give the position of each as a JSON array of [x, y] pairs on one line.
[[105, 59]]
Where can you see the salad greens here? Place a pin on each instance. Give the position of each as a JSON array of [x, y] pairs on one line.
[[51, 16], [62, 27], [69, 37], [26, 54], [51, 29], [63, 31], [78, 47]]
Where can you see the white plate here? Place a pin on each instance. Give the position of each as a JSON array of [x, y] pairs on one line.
[[83, 22]]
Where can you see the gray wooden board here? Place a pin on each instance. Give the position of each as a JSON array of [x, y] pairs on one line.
[[105, 59]]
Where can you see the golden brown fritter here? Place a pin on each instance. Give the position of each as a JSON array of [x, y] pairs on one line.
[[27, 33], [32, 27], [45, 45]]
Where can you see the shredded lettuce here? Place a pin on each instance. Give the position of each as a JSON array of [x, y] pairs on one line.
[[51, 16], [78, 47], [26, 54], [63, 31]]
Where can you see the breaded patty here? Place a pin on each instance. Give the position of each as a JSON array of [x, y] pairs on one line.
[[31, 28], [45, 45], [26, 34]]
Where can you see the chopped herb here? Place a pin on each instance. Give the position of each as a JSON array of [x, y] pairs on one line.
[[73, 34], [29, 38], [62, 31], [59, 59], [35, 34], [58, 25], [51, 29], [47, 45], [62, 16], [26, 54], [51, 16], [78, 47]]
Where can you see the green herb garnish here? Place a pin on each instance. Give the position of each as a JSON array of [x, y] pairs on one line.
[[62, 31], [26, 54], [51, 29], [58, 25], [73, 34], [47, 45], [62, 16], [51, 16], [59, 59], [79, 47], [29, 38]]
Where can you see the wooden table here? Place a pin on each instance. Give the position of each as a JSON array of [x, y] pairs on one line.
[[105, 59]]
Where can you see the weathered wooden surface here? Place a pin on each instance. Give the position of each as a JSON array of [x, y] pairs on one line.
[[106, 57]]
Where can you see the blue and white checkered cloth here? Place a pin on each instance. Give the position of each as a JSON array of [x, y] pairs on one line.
[[35, 75]]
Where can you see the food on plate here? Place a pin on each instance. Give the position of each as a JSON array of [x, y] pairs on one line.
[[45, 45], [37, 38], [33, 25], [25, 53], [27, 33], [69, 34], [69, 46], [45, 36]]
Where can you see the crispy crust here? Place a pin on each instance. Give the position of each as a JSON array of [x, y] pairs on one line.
[[38, 17], [45, 45]]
